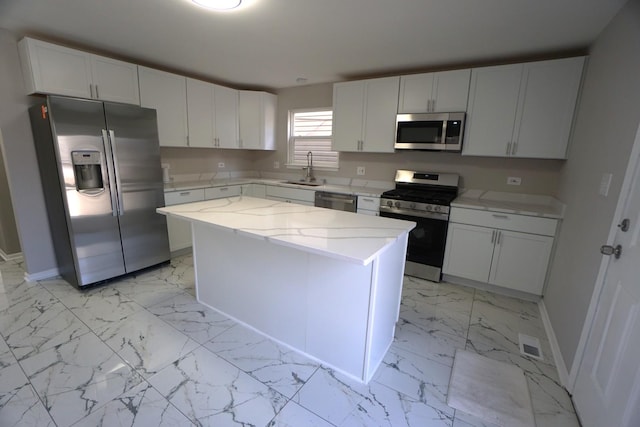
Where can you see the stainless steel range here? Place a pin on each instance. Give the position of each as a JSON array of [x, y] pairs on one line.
[[422, 197]]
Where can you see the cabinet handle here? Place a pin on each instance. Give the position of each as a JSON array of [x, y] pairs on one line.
[[187, 137], [508, 148], [367, 200], [97, 93], [498, 236], [500, 216], [185, 193], [224, 189], [514, 148], [493, 236]]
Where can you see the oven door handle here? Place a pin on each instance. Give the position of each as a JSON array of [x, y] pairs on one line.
[[405, 212]]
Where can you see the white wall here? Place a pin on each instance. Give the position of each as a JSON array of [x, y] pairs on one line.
[[538, 176], [9, 240], [21, 163], [608, 117]]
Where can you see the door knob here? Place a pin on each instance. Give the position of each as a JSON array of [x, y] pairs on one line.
[[611, 250]]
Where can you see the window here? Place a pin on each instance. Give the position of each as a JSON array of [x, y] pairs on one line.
[[310, 130]]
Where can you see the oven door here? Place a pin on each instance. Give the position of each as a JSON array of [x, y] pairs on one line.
[[425, 249]]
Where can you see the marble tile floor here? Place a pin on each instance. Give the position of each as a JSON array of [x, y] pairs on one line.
[[140, 351]]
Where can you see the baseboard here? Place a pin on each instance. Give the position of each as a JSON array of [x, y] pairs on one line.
[[10, 257], [563, 373], [491, 288], [42, 275]]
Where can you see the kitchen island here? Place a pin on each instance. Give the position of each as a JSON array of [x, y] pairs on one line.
[[325, 283]]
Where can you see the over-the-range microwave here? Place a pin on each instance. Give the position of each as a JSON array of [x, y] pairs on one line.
[[430, 131]]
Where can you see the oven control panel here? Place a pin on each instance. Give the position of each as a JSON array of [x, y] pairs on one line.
[[425, 210]]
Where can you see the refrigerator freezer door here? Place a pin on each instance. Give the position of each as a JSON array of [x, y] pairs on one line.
[[93, 229], [133, 134]]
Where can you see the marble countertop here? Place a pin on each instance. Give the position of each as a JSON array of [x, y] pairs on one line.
[[358, 188], [514, 203], [337, 234]]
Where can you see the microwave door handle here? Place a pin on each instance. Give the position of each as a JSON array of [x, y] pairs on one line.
[[443, 141]]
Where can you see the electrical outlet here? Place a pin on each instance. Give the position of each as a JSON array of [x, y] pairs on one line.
[[360, 170], [220, 165], [276, 164], [514, 180]]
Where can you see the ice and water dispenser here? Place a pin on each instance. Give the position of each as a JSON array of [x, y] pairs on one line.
[[87, 169]]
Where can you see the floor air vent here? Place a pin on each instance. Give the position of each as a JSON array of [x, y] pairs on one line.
[[530, 346]]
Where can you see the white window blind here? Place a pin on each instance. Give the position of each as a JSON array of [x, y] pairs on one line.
[[311, 130]]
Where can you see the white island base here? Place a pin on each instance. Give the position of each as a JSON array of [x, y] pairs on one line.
[[340, 313], [322, 282]]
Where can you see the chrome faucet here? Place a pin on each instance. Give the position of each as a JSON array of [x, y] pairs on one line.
[[308, 177]]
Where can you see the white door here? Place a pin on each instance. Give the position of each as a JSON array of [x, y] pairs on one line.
[[607, 390]]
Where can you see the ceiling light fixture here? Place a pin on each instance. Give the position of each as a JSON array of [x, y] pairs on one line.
[[218, 4]]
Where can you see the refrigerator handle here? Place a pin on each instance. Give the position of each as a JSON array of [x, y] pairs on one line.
[[110, 171], [112, 140]]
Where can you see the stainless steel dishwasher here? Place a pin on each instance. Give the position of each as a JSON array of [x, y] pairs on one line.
[[337, 201]]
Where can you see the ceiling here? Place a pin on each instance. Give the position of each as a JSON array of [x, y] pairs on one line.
[[269, 44]]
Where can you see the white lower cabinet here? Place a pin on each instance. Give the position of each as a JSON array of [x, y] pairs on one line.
[[179, 230], [290, 195], [254, 190], [220, 192], [506, 250], [369, 205]]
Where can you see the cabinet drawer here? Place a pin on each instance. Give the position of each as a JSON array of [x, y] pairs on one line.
[[220, 192], [291, 193], [369, 203], [178, 197], [503, 221]]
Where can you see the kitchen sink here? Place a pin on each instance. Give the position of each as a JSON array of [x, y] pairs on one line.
[[307, 183]]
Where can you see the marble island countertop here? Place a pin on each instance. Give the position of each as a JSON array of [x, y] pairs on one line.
[[514, 203], [353, 187], [337, 234]]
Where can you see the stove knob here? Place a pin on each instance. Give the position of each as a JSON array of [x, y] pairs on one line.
[[389, 203], [428, 208], [397, 204], [436, 208], [412, 206]]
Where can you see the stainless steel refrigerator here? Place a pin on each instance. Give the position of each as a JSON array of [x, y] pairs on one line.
[[102, 182]]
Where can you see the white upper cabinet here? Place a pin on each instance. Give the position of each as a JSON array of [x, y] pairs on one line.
[[364, 115], [167, 93], [58, 70], [522, 110], [200, 113], [257, 112], [445, 91], [225, 129]]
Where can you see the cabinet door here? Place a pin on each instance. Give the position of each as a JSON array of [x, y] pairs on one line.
[[115, 80], [415, 93], [249, 119], [167, 93], [451, 91], [222, 192], [491, 111], [200, 113], [548, 93], [55, 69], [226, 117], [381, 106], [348, 115], [469, 251], [520, 261]]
